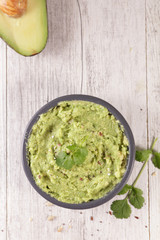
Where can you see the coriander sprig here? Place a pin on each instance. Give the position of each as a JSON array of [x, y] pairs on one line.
[[121, 208], [76, 156]]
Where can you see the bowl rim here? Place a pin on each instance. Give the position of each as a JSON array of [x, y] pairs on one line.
[[127, 131]]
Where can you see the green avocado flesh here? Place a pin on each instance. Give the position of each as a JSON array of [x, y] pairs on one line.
[[27, 34], [85, 124]]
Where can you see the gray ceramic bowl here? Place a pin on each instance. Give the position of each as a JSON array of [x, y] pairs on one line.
[[130, 160]]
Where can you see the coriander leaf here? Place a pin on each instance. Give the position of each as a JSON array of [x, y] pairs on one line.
[[142, 155], [73, 147], [60, 158], [64, 160], [156, 159], [121, 208], [125, 189], [80, 155], [136, 198]]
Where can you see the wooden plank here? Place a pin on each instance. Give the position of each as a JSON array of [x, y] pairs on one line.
[[115, 70], [109, 62], [31, 83], [3, 154], [153, 75]]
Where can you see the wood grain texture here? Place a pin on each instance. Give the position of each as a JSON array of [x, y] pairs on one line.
[[3, 110], [153, 76], [115, 70], [32, 83], [97, 48]]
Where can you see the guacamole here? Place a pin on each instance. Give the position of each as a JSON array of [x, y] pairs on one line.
[[87, 126]]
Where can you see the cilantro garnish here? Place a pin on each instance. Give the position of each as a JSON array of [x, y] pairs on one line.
[[156, 159], [125, 189], [121, 208], [76, 156], [142, 155], [64, 160], [136, 198], [80, 155]]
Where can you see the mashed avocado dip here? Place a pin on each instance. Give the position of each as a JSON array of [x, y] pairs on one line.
[[97, 162]]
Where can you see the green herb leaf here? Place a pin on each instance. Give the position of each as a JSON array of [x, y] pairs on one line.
[[143, 155], [80, 155], [64, 160], [76, 157], [156, 159], [136, 198], [121, 208], [73, 147], [125, 189]]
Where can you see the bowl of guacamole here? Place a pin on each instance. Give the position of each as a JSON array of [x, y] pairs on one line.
[[78, 151]]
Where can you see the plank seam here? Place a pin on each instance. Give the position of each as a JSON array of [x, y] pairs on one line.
[[80, 15], [147, 117], [6, 152]]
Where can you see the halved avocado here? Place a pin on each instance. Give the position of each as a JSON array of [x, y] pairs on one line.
[[28, 33]]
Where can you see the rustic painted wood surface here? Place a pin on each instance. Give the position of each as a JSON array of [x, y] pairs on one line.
[[3, 147], [153, 78], [106, 48]]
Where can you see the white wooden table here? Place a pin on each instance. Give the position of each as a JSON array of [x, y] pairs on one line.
[[105, 48]]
